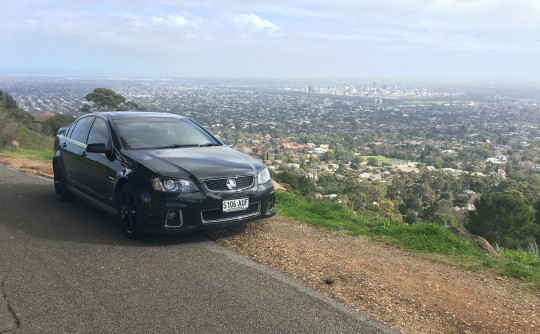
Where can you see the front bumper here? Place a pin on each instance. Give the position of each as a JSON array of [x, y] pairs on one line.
[[204, 210]]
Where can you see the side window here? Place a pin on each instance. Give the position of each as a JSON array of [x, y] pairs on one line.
[[99, 133], [70, 131], [80, 132]]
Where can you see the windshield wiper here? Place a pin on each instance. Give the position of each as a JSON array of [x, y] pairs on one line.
[[177, 146], [186, 145]]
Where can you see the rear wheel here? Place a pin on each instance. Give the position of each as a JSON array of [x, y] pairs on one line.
[[130, 213], [60, 186]]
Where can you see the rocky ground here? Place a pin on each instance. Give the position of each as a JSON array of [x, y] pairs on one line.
[[402, 289]]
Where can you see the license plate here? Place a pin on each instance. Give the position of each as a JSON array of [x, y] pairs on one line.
[[235, 204]]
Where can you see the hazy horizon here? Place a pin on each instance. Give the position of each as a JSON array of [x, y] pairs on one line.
[[441, 41]]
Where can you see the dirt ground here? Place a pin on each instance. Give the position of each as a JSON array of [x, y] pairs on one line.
[[30, 166], [401, 289]]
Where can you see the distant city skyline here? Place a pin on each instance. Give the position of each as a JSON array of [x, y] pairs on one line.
[[456, 41]]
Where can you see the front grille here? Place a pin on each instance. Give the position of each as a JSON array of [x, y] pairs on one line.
[[218, 216], [242, 182]]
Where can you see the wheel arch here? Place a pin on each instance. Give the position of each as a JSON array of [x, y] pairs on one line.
[[119, 185]]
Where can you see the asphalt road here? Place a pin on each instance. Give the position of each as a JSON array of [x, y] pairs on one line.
[[67, 268]]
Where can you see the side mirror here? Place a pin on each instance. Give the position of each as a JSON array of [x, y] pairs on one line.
[[223, 140], [62, 131], [97, 148]]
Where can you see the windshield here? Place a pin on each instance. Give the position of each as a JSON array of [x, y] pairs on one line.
[[162, 133]]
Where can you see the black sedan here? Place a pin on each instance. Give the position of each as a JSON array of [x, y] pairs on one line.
[[160, 172]]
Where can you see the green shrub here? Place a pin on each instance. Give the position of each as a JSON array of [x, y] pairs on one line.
[[520, 256]]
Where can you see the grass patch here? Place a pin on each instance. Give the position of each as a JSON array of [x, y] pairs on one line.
[[45, 155], [380, 159], [520, 264], [432, 240], [30, 140], [427, 238], [32, 146]]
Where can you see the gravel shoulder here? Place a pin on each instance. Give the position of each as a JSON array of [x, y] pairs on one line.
[[399, 288], [404, 290]]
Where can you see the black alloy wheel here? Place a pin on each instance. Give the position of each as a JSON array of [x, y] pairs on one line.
[[130, 213], [60, 186]]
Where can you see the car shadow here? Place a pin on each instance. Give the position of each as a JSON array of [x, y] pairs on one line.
[[36, 211]]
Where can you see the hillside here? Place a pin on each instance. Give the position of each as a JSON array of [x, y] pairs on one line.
[[402, 289]]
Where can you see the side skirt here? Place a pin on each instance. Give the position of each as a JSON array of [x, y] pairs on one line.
[[100, 205]]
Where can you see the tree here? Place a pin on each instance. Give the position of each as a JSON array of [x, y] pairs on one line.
[[58, 121], [504, 218], [363, 194], [9, 130], [410, 217], [7, 101], [388, 209], [328, 156], [444, 219], [104, 99], [306, 186], [411, 202], [372, 161], [11, 119], [21, 116], [129, 105], [288, 178]]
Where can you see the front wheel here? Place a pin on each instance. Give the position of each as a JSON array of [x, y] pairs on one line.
[[60, 186], [130, 213]]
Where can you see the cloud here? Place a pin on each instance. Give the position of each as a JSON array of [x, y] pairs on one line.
[[172, 21], [283, 37], [254, 22]]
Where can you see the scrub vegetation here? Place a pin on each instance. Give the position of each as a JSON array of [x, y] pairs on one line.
[[428, 238]]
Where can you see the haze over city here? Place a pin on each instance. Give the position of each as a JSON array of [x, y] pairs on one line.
[[484, 41]]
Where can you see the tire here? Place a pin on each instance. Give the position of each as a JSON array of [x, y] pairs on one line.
[[60, 186], [130, 213]]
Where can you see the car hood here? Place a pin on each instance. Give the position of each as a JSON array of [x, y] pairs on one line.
[[200, 162]]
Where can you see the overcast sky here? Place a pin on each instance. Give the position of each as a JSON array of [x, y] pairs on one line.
[[439, 40]]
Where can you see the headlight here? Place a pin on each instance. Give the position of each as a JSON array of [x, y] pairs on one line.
[[174, 185], [264, 176]]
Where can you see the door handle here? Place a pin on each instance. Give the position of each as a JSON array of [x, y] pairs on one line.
[[64, 144]]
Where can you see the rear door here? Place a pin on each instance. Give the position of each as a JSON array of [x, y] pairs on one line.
[[74, 150]]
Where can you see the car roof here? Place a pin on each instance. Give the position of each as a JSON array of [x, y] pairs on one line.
[[135, 114]]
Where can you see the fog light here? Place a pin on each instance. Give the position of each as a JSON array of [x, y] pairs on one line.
[[172, 215], [270, 204], [174, 219]]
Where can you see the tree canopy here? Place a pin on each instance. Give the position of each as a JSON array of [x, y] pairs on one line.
[[11, 119], [104, 99], [504, 218], [7, 101], [59, 121]]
